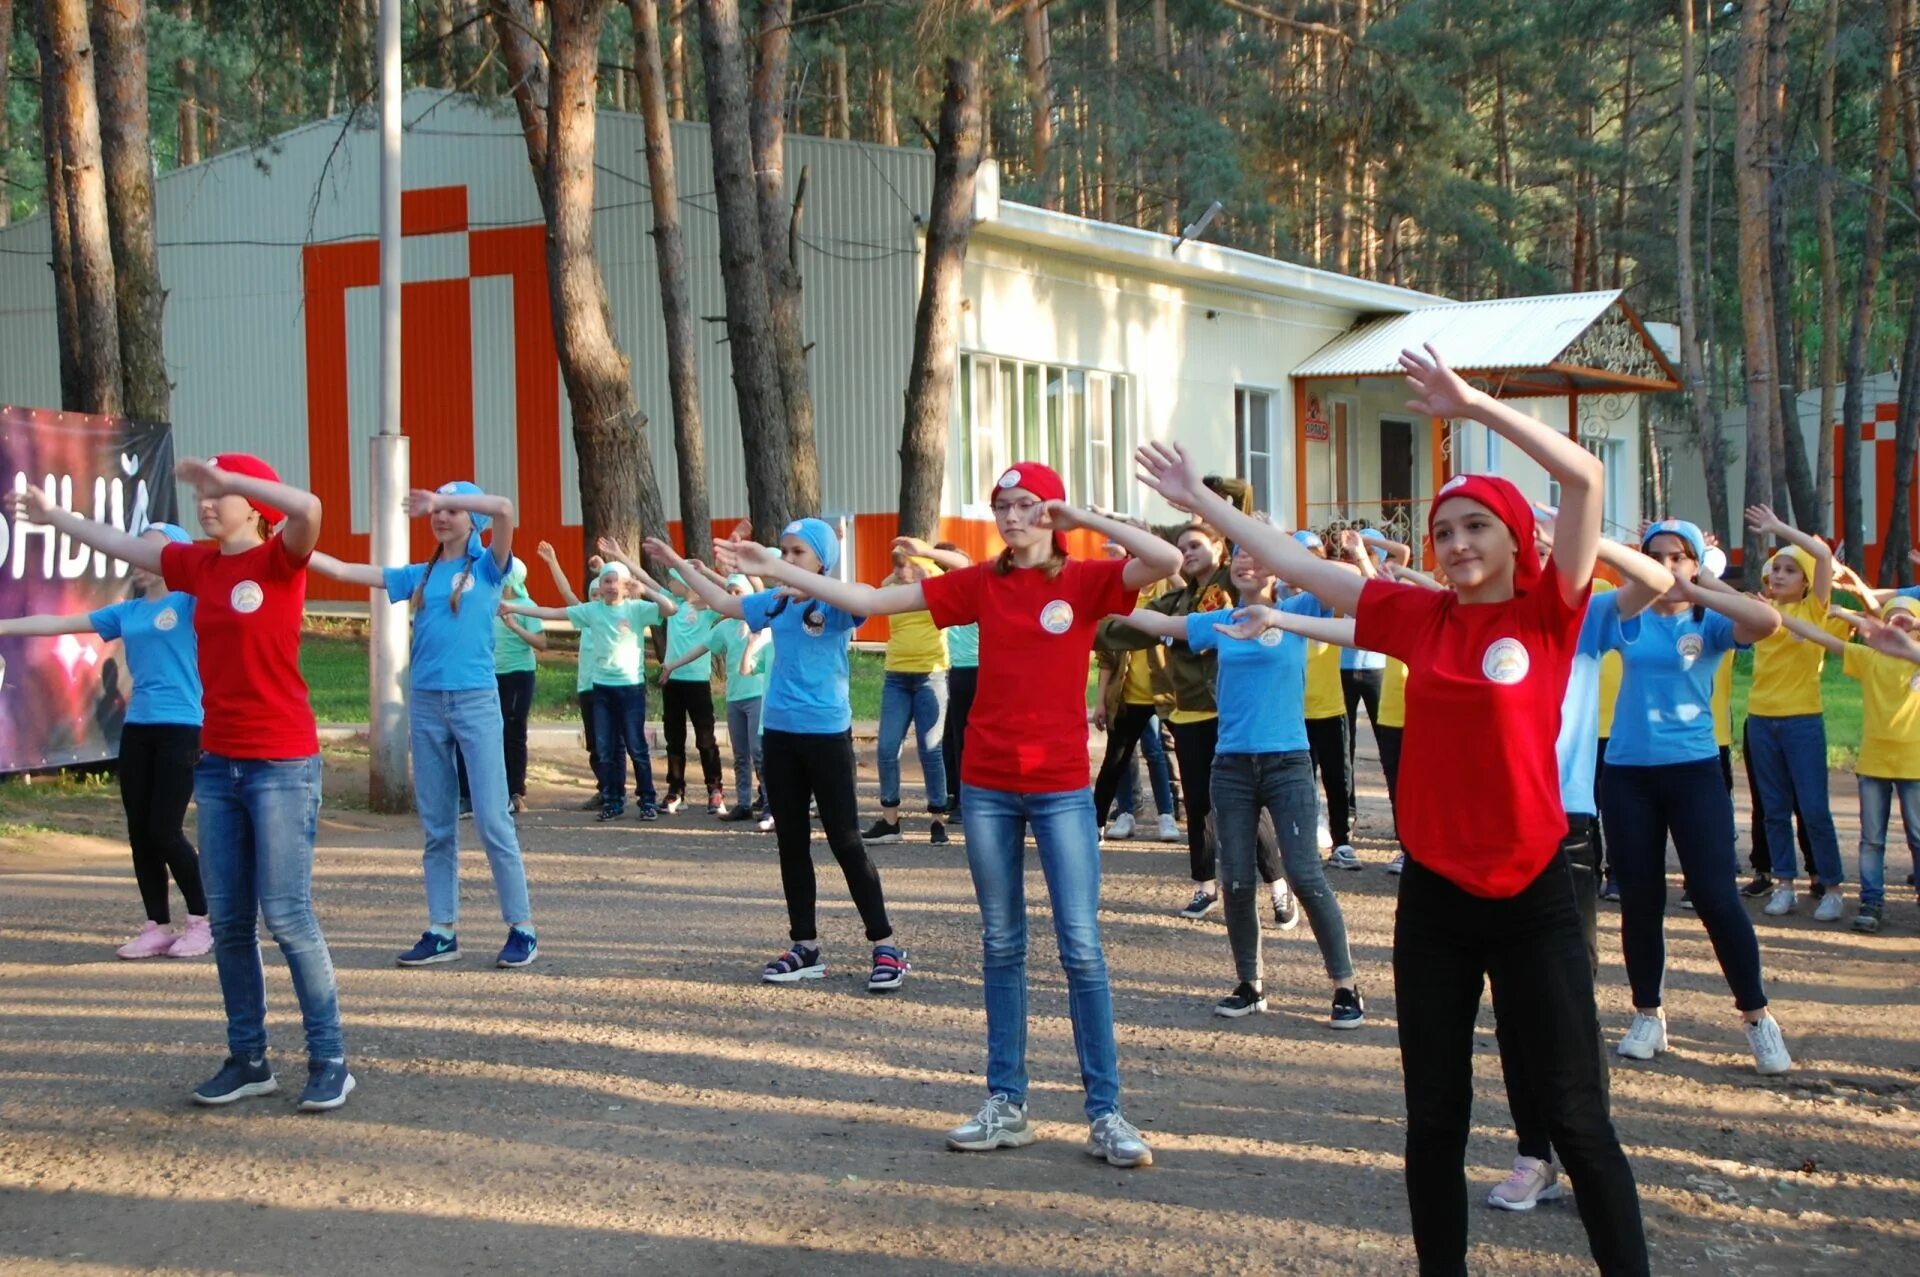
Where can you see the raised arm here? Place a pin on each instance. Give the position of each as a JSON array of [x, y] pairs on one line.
[[1890, 640], [1813, 633], [751, 652], [535, 639], [1397, 551], [1440, 392], [31, 505], [422, 503], [662, 598], [1847, 579], [1763, 520], [853, 598], [531, 609], [1413, 576], [1168, 470], [298, 535], [1249, 621], [46, 626], [1753, 619], [351, 573], [951, 560], [1158, 624], [1152, 557], [1642, 580], [713, 593], [560, 582]]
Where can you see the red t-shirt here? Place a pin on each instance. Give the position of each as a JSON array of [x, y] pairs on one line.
[[1479, 784], [247, 619], [1027, 731]]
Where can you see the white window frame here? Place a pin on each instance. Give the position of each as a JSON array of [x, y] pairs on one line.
[[1243, 441], [1113, 488], [1612, 453]]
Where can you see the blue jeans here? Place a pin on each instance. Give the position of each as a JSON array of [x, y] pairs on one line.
[[1790, 764], [257, 821], [1069, 843], [921, 698], [446, 727], [620, 728], [1876, 805], [1158, 773], [1280, 784]]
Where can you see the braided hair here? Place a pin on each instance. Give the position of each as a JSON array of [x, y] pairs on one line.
[[459, 582]]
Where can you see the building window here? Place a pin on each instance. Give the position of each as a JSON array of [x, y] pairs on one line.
[[1073, 419], [1253, 443], [1613, 459]]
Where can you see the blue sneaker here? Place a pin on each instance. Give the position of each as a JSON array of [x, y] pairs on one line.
[[237, 1080], [521, 948], [328, 1085], [649, 810], [433, 947]]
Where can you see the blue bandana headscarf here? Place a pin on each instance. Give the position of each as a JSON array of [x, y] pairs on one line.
[[481, 522], [820, 538], [171, 531]]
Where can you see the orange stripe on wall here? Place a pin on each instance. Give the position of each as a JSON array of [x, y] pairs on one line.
[[433, 210]]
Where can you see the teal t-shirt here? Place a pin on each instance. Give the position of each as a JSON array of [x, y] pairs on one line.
[[583, 681], [687, 630], [963, 646], [616, 631], [727, 641], [511, 653]]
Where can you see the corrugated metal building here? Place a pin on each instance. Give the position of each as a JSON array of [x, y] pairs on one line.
[[1079, 339]]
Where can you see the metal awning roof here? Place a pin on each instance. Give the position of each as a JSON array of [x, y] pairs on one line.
[[1541, 345]]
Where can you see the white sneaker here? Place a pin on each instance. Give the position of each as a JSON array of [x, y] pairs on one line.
[[1398, 864], [1122, 826], [1829, 909], [1532, 1182], [1169, 831], [1781, 902], [1646, 1037], [1769, 1047], [1323, 836], [1344, 858]]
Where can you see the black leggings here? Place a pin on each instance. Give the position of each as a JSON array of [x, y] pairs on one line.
[[156, 783], [516, 703], [1361, 687], [683, 699], [962, 681], [1193, 746], [803, 767], [1528, 1096], [1123, 736], [1388, 738], [1446, 944], [1328, 739], [1758, 854]]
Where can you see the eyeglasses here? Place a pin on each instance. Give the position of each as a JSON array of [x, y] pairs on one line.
[[1024, 509]]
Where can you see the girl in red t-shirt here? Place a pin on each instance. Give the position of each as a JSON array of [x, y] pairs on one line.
[[258, 783], [1487, 892], [1026, 766]]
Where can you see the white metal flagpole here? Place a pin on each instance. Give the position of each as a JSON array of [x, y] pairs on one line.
[[388, 787]]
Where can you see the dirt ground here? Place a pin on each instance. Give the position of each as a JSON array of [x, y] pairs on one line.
[[639, 1101]]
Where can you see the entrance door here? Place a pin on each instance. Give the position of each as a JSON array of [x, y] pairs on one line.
[[1396, 466]]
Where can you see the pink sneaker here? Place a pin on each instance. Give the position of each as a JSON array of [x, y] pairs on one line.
[[153, 941], [194, 942]]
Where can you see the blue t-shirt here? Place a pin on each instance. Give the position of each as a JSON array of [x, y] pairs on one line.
[[1260, 684], [163, 657], [1667, 667], [807, 686], [452, 650], [1354, 658], [1578, 747]]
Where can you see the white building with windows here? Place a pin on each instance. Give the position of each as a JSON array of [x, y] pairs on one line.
[[1079, 339]]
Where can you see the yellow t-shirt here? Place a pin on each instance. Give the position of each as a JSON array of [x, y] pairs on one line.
[[1723, 704], [1786, 668], [1890, 713], [1393, 695], [1138, 687], [1609, 675], [1324, 697], [915, 645], [1191, 715]]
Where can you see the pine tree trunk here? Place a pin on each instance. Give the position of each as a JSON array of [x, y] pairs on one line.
[[186, 142], [1829, 366], [1705, 408], [68, 65], [619, 495], [1793, 455], [1896, 540], [676, 308], [6, 133], [1109, 147], [1163, 58], [780, 248], [756, 376], [676, 63], [120, 38], [443, 59], [1873, 243], [936, 327], [1033, 64], [1751, 182], [885, 131], [59, 229]]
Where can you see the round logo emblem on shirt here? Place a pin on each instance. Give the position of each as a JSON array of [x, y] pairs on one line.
[[467, 582], [1271, 638], [1913, 684], [1690, 647], [813, 622], [1506, 661], [247, 597], [1057, 617], [624, 627], [166, 620]]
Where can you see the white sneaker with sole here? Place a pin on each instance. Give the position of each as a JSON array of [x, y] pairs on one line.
[[1769, 1047], [1344, 857], [1169, 831], [1781, 902], [1122, 826], [1645, 1038], [1532, 1182], [1830, 907], [1000, 1123]]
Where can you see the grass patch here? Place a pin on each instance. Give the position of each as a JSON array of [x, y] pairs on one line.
[[73, 801]]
